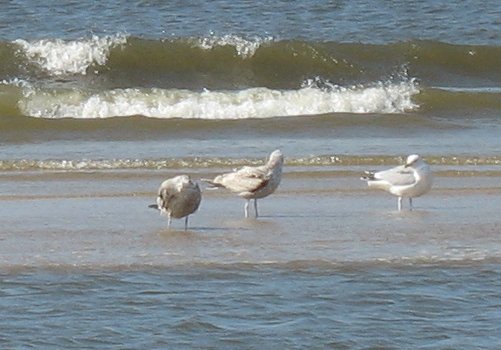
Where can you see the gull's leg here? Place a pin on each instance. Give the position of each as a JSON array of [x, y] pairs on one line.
[[410, 203], [255, 207], [169, 220], [399, 203], [186, 223], [246, 208]]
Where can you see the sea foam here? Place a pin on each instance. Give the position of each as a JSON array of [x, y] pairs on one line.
[[242, 104], [245, 48], [59, 57]]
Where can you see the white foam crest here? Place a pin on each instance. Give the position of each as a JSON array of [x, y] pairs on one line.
[[244, 104], [59, 57], [245, 48], [20, 83]]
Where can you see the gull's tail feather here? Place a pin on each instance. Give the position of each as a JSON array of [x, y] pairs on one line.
[[212, 183], [369, 175]]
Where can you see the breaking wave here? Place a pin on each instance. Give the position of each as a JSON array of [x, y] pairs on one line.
[[255, 61], [244, 104], [233, 77], [59, 57]]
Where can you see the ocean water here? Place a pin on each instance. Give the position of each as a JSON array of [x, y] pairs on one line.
[[101, 101]]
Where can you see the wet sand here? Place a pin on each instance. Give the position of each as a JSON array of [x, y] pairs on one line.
[[101, 219]]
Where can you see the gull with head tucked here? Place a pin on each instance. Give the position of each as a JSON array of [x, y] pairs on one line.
[[413, 179], [253, 182], [178, 197]]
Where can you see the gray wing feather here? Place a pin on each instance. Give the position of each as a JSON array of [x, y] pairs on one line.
[[247, 179], [398, 176]]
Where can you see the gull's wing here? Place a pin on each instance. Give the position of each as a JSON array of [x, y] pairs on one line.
[[192, 191], [398, 176], [165, 196], [246, 179], [253, 171]]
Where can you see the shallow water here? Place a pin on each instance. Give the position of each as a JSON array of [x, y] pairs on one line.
[[100, 102], [92, 220], [84, 263]]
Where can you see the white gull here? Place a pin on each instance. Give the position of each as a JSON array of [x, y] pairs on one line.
[[178, 197], [253, 182], [411, 180]]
